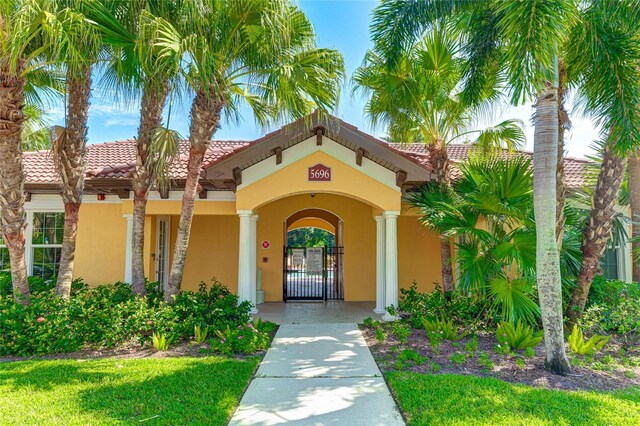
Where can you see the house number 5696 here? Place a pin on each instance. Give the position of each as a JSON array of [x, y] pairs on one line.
[[319, 173]]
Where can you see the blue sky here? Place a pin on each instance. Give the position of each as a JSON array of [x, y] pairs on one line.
[[343, 25]]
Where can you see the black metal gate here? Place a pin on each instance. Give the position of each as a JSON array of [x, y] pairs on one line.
[[313, 273]]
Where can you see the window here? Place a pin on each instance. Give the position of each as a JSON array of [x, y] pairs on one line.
[[4, 257], [609, 263], [46, 243]]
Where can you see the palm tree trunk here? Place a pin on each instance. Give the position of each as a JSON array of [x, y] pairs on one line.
[[545, 154], [634, 199], [70, 160], [205, 117], [440, 162], [12, 177], [597, 233], [153, 100], [563, 123]]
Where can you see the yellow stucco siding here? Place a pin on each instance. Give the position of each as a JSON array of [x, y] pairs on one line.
[[292, 180], [213, 251], [359, 235], [312, 222], [173, 207], [418, 255], [101, 244]]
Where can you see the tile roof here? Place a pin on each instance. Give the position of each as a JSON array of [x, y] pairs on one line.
[[116, 160], [574, 168]]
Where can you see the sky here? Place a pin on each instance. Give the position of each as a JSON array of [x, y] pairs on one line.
[[342, 25]]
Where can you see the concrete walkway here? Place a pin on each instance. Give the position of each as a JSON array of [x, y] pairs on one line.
[[318, 374]]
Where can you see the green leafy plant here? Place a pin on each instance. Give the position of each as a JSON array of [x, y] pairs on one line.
[[161, 341], [445, 328], [379, 334], [580, 346], [530, 352], [435, 367], [472, 345], [520, 363], [435, 340], [401, 331], [485, 362], [200, 334], [243, 339], [411, 355], [517, 337], [458, 358]]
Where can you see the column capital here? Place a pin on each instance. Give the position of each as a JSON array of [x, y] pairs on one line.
[[378, 218], [244, 213], [127, 216], [255, 217], [391, 213]]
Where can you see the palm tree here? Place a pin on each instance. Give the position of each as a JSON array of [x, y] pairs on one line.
[[258, 51], [128, 30], [525, 38], [634, 201], [12, 175], [419, 101], [603, 51]]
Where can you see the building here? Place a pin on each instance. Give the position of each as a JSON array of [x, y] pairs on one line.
[[310, 173]]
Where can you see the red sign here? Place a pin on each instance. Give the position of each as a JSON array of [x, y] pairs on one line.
[[319, 173], [265, 244]]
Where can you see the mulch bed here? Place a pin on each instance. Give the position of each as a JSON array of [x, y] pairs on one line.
[[505, 367]]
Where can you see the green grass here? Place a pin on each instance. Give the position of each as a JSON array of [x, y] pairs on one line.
[[158, 391], [450, 399]]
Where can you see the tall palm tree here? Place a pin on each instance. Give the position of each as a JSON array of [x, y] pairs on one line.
[[12, 175], [419, 101], [634, 201], [520, 41], [603, 53], [257, 51], [128, 29]]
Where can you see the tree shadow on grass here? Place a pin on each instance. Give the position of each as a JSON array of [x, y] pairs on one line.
[[456, 399], [161, 391]]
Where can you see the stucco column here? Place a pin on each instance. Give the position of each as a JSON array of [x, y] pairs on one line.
[[128, 253], [380, 265], [391, 262], [244, 256], [253, 259]]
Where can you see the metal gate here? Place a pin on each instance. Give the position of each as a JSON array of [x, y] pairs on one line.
[[313, 273]]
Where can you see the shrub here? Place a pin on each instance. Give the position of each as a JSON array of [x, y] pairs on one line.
[[200, 334], [110, 315], [519, 337], [613, 307], [401, 331], [445, 328], [411, 355], [243, 339], [161, 342], [580, 346], [463, 310]]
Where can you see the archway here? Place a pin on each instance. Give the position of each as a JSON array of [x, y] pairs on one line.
[[313, 262]]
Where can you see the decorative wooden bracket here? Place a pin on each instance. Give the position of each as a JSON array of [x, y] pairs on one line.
[[202, 193], [401, 178], [278, 153], [164, 192], [123, 194], [27, 196], [237, 176], [359, 154], [319, 133]]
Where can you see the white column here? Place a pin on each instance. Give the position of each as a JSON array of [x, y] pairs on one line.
[[253, 259], [391, 262], [380, 265], [128, 254], [244, 256]]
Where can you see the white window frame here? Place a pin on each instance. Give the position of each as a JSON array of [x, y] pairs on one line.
[[29, 246], [167, 220]]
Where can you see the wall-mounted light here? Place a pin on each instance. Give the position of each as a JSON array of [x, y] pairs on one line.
[[312, 194]]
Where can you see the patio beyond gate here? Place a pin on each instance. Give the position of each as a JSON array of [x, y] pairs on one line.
[[313, 273]]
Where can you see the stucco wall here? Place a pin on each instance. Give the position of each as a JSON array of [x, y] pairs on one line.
[[418, 255], [359, 235], [101, 244]]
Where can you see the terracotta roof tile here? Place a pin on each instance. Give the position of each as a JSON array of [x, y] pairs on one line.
[[116, 160]]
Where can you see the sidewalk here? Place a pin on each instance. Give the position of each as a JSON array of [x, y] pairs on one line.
[[318, 374]]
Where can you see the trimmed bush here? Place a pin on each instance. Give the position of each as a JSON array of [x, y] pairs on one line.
[[111, 315]]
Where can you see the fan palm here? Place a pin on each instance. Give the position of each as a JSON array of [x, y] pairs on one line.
[[525, 36], [255, 51], [419, 102]]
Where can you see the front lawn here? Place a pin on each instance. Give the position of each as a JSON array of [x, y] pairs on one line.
[[450, 399], [156, 391]]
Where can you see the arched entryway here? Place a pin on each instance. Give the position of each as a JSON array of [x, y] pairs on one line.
[[313, 266]]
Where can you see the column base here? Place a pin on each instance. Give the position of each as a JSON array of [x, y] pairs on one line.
[[390, 318], [254, 311], [380, 311]]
